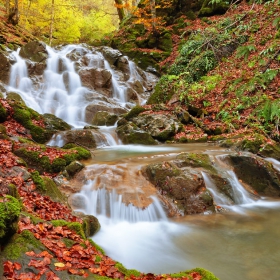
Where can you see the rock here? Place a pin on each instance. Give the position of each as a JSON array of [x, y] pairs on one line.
[[83, 137], [91, 225], [110, 107], [74, 167], [129, 133], [15, 96], [35, 51], [96, 78], [5, 67], [104, 118], [184, 186], [161, 127], [123, 65], [111, 55], [257, 173], [55, 124]]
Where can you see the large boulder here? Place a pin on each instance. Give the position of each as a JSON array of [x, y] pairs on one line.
[[35, 51], [185, 186], [107, 106], [112, 55], [161, 127], [84, 138], [104, 118], [257, 173], [129, 133], [96, 78]]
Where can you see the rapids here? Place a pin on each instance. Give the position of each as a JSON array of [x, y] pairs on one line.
[[241, 244]]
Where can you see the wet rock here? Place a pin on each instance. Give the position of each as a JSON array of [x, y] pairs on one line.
[[83, 138], [161, 127], [15, 96], [5, 67], [74, 167], [96, 78], [184, 186], [111, 55], [123, 65], [55, 124], [129, 133], [35, 51], [257, 173], [104, 118], [110, 107], [91, 225]]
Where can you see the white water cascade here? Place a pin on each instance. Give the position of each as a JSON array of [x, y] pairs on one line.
[[60, 91]]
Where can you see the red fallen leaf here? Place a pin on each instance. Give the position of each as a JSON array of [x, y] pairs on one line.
[[36, 263], [27, 276], [30, 254], [73, 271], [45, 254], [17, 266], [118, 275], [8, 268]]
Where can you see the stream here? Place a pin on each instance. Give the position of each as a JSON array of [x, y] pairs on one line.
[[242, 243]]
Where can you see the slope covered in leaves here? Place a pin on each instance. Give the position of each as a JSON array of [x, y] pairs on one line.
[[225, 72]]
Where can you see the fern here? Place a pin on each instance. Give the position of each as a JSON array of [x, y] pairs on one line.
[[244, 51]]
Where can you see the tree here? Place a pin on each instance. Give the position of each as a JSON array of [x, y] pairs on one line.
[[120, 8]]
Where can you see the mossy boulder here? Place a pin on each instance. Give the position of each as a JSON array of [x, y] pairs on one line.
[[84, 138], [135, 111], [196, 161], [10, 208], [91, 225], [55, 124], [35, 159], [209, 8], [74, 167], [184, 186], [104, 118], [15, 97], [160, 126], [257, 173], [131, 134], [271, 151], [35, 51]]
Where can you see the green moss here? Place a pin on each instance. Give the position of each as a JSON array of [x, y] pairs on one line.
[[68, 242], [39, 182], [19, 244], [75, 226], [206, 275], [97, 246], [127, 272], [81, 153], [58, 164], [3, 113], [34, 219], [197, 160], [9, 212], [135, 111], [52, 190]]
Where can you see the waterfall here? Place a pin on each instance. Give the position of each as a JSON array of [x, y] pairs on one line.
[[62, 91], [101, 202], [219, 198]]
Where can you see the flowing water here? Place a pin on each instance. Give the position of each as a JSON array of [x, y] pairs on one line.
[[240, 244]]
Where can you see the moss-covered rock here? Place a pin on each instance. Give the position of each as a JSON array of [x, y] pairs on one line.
[[15, 97], [91, 225], [104, 118], [35, 51], [74, 167], [131, 134], [135, 111], [195, 161], [9, 213], [55, 124], [3, 113], [257, 173], [210, 8]]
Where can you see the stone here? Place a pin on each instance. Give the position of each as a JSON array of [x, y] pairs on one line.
[[74, 167], [5, 67], [35, 51]]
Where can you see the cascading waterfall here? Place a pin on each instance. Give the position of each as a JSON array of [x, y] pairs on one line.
[[109, 204]]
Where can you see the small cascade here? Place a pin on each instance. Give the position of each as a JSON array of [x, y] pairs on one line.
[[219, 198], [119, 91], [134, 75], [101, 202], [241, 196]]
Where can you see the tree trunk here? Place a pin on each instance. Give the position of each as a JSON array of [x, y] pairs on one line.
[[119, 5], [51, 23], [153, 14]]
